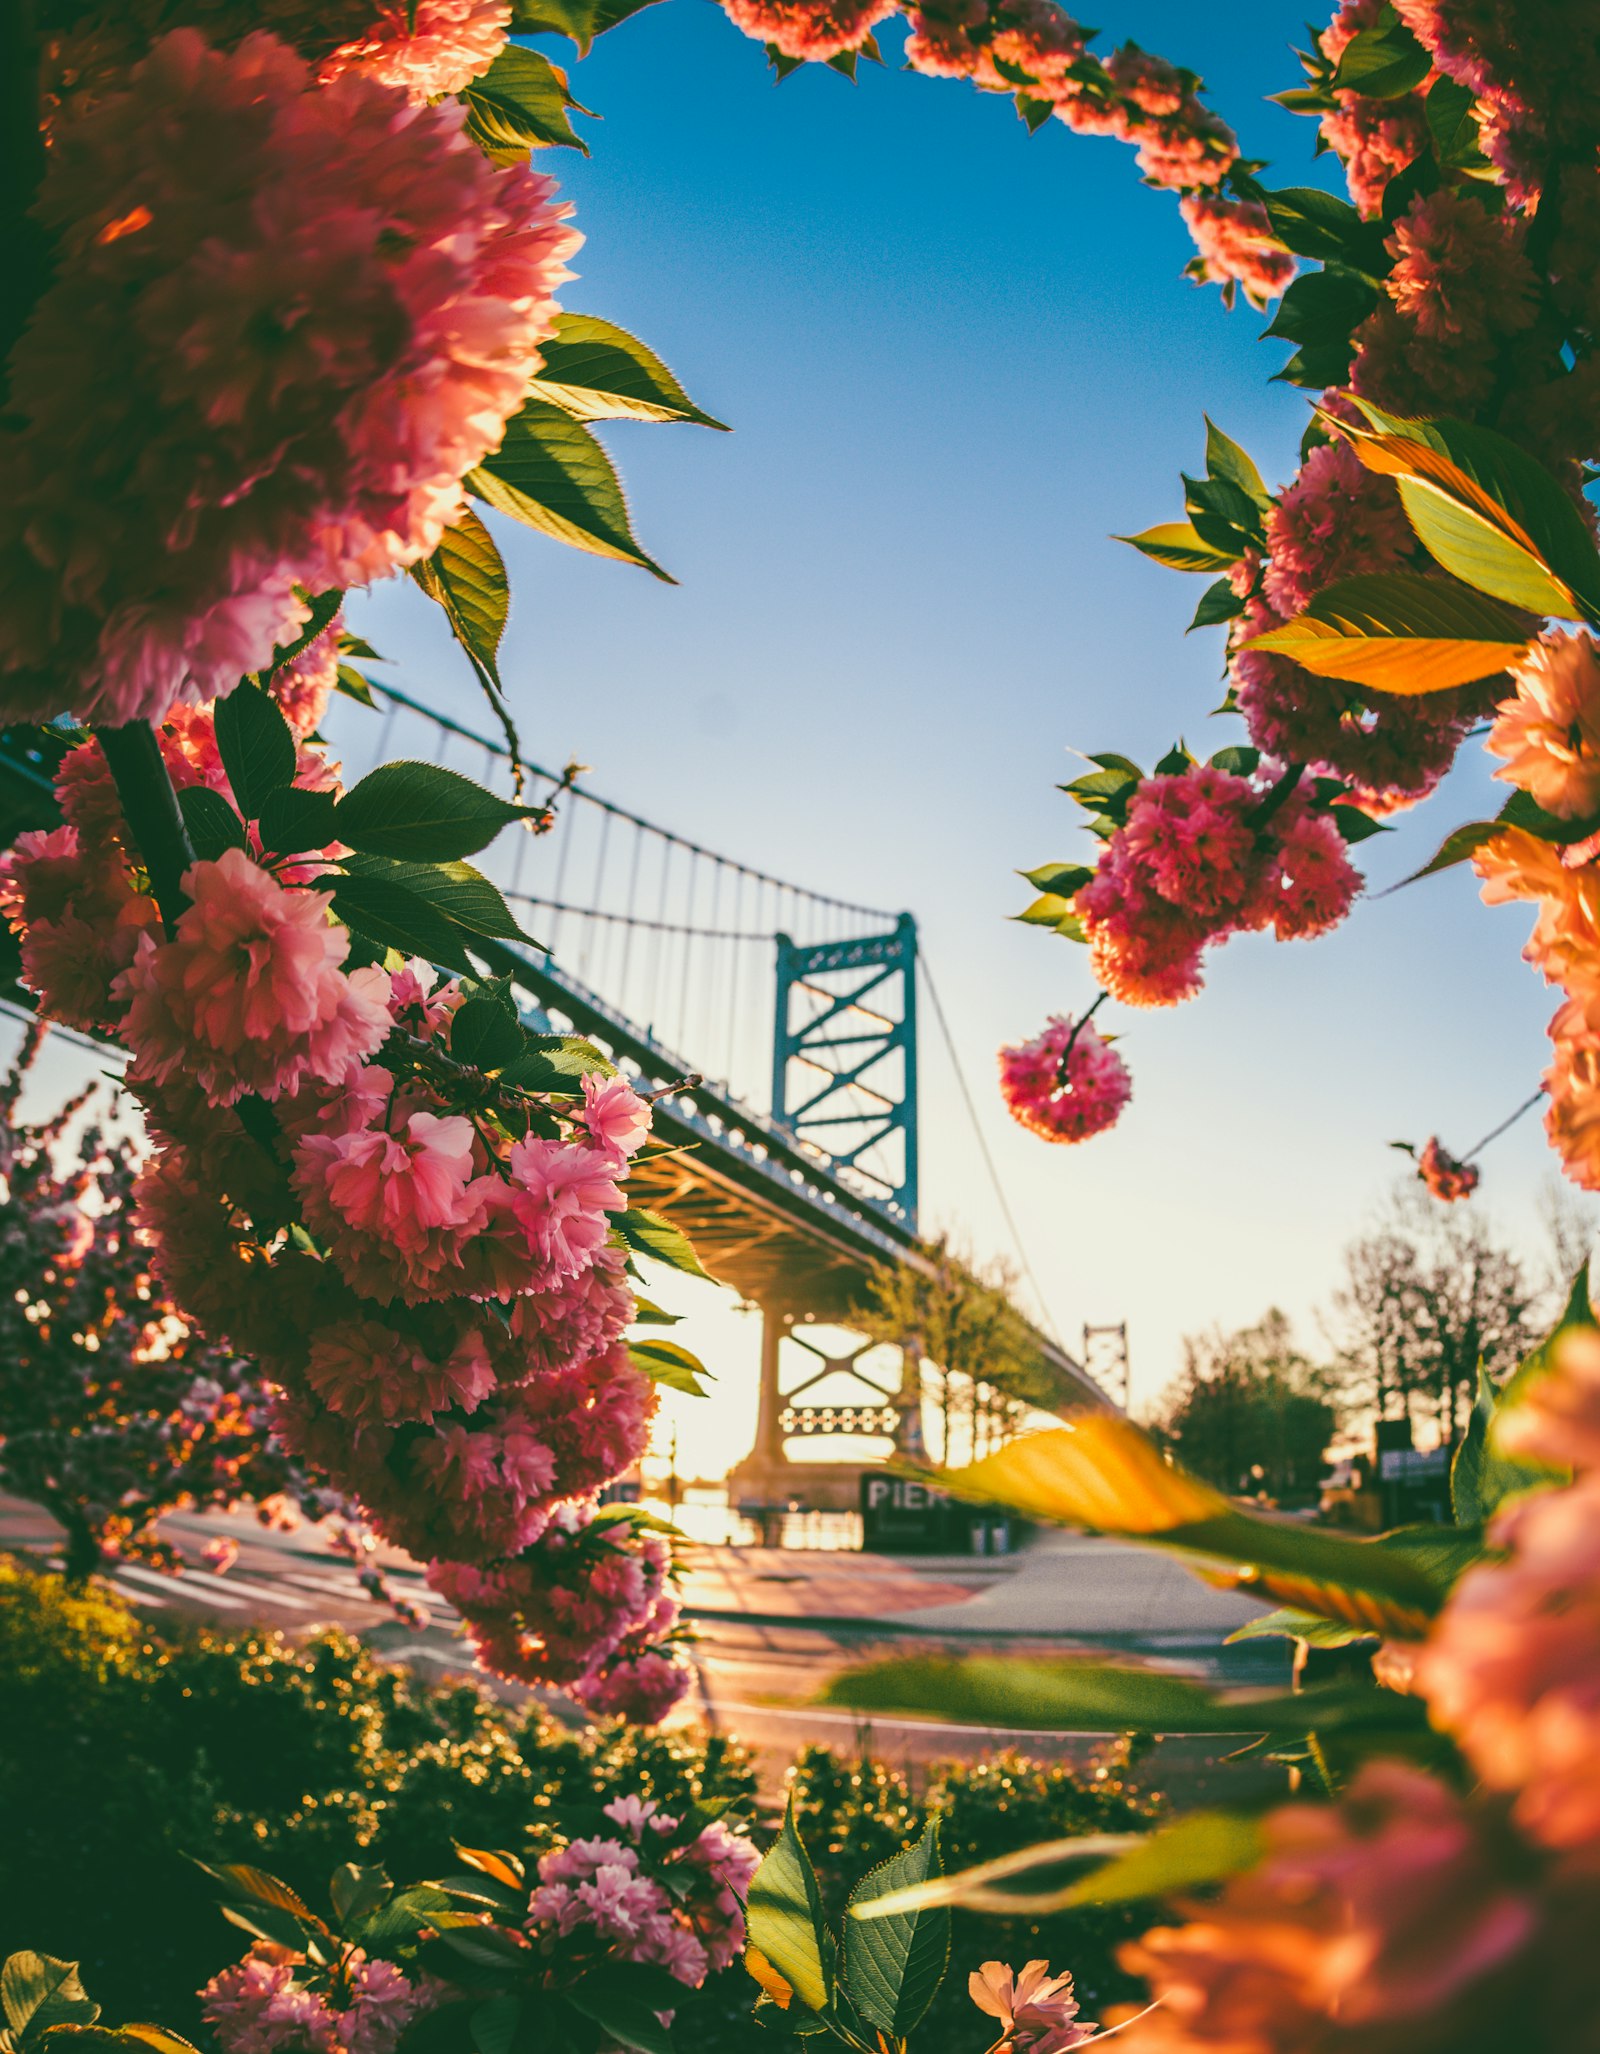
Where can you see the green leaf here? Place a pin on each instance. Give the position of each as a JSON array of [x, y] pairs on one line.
[[213, 826], [1492, 474], [294, 820], [391, 916], [647, 1233], [1101, 1473], [520, 104], [421, 812], [556, 1063], [894, 1963], [493, 2024], [1482, 1475], [1218, 602], [783, 1917], [256, 745], [456, 890], [1178, 545], [1223, 513], [1479, 552], [1313, 223], [646, 1313], [1354, 825], [1205, 1847], [1061, 1694], [485, 1034], [623, 2019], [1321, 309], [1382, 62], [1394, 631], [551, 474], [1456, 847], [1242, 760], [581, 20], [1050, 909], [246, 1885], [1225, 459], [356, 1893], [353, 685], [596, 371], [466, 576], [323, 608], [1451, 114], [666, 1363], [37, 1991], [1060, 879], [1287, 1624]]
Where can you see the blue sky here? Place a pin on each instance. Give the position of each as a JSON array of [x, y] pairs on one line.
[[957, 360]]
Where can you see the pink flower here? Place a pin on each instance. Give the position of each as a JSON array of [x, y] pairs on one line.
[[249, 995], [1446, 1178], [1512, 1668], [1037, 2011], [303, 687], [383, 2001], [321, 448], [365, 1370], [561, 1197], [78, 919], [616, 1117], [256, 2007], [1088, 1099], [594, 1417], [1374, 138], [1461, 286], [1236, 245], [440, 48], [809, 30], [643, 1688], [1549, 734], [1310, 883], [1382, 1921], [1336, 520]]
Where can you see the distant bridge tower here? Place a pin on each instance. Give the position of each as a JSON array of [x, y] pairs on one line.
[[844, 1058], [844, 1086]]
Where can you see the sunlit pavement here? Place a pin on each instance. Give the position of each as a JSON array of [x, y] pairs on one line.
[[772, 1626]]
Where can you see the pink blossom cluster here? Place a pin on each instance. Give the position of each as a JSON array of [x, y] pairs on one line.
[[1204, 853], [1065, 1084], [427, 48], [445, 1336], [1374, 138], [1338, 520], [1512, 1669], [1133, 96], [1444, 1176], [655, 1892], [810, 30], [1543, 735], [579, 1605], [237, 389], [264, 2004], [1534, 70]]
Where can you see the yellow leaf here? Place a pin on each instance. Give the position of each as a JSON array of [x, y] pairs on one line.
[[1097, 1470]]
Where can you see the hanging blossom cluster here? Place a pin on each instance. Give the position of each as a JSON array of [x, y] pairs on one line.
[[240, 386], [662, 1890], [113, 1410], [1445, 1177], [1543, 736], [1375, 138], [1203, 853], [423, 1266], [1035, 50], [1065, 1084], [1407, 1914]]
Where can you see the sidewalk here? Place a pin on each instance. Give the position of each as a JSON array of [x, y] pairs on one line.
[[803, 1584]]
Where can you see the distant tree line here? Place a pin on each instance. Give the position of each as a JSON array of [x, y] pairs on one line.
[[1426, 1296]]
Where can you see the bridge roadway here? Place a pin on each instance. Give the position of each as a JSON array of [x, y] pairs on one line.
[[767, 1215]]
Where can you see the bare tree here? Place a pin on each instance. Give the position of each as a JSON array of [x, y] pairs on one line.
[[1427, 1297]]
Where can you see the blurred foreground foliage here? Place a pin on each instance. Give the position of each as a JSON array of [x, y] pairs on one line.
[[124, 1749]]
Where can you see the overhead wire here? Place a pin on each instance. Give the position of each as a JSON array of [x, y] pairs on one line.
[[989, 1162]]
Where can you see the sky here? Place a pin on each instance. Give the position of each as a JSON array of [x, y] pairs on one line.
[[957, 360]]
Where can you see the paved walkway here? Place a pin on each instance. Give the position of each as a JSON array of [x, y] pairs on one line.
[[1077, 1584]]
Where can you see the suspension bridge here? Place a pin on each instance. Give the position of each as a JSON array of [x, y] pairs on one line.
[[779, 1026]]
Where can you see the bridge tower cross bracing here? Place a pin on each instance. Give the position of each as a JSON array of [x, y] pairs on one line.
[[844, 1056]]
